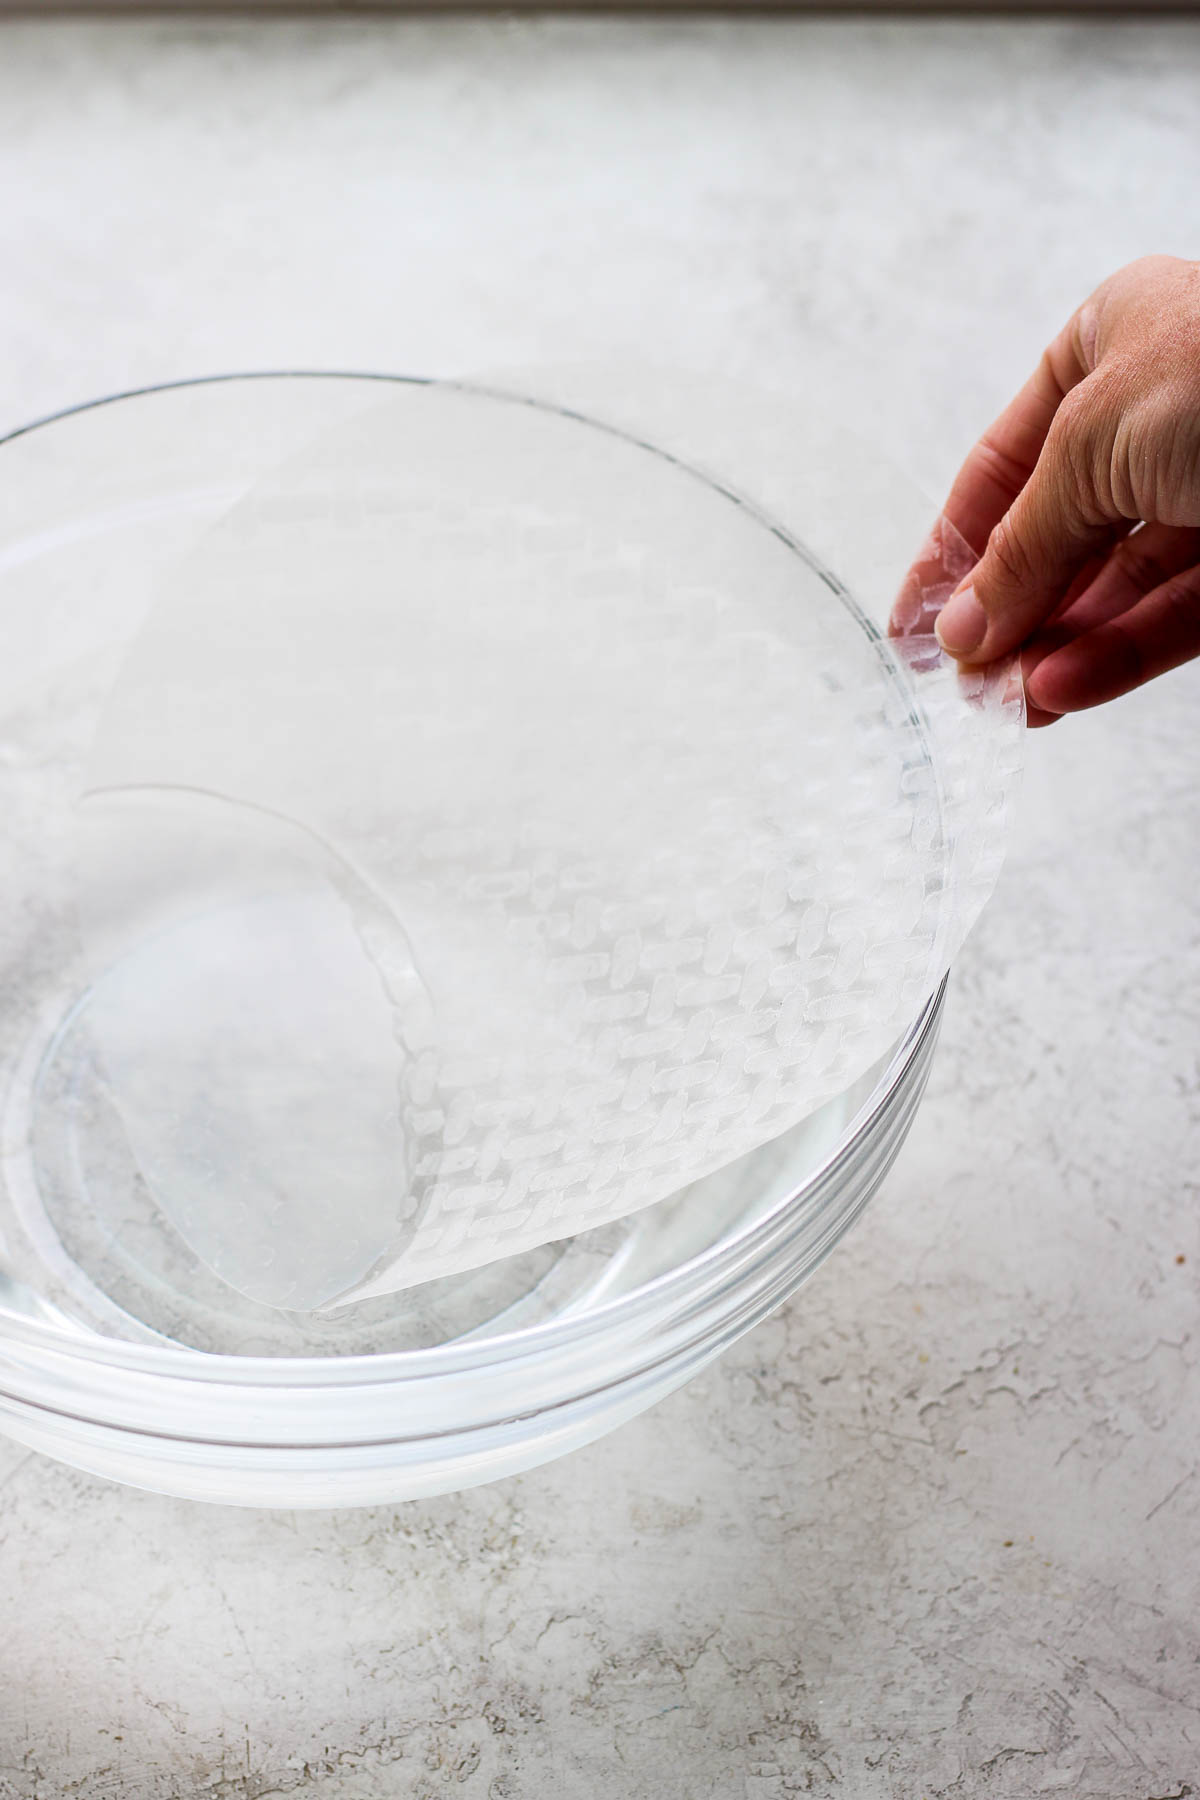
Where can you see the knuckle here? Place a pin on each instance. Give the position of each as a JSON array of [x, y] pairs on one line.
[[1095, 402], [1080, 446], [1156, 463], [1075, 414], [1177, 464]]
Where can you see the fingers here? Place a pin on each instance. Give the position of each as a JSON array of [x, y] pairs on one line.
[[1138, 563], [944, 559], [1094, 566], [988, 483], [1104, 435], [1159, 632], [1006, 455], [1121, 446], [1142, 561], [1063, 515], [986, 486]]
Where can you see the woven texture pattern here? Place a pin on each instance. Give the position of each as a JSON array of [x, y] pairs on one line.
[[664, 848]]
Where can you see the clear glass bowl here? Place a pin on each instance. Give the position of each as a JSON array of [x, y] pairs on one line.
[[119, 1351]]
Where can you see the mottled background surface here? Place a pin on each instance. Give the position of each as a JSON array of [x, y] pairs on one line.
[[935, 1530]]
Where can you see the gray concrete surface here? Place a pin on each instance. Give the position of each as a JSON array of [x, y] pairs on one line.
[[935, 1530]]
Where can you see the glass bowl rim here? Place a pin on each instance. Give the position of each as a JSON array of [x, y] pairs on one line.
[[457, 1356]]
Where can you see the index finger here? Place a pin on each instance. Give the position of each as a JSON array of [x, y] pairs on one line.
[[987, 484]]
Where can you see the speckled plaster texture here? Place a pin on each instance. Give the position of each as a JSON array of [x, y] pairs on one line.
[[934, 1530]]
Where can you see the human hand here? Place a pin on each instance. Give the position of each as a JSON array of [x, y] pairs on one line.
[[1085, 499]]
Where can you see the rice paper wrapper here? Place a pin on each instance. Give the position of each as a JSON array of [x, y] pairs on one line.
[[504, 820]]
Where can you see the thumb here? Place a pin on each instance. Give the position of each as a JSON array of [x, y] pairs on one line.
[[1060, 519]]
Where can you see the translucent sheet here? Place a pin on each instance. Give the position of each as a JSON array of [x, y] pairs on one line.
[[497, 826]]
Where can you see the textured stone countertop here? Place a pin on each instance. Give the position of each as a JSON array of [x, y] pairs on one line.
[[934, 1530]]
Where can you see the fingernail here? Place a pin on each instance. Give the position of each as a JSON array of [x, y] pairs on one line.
[[961, 625]]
